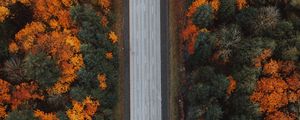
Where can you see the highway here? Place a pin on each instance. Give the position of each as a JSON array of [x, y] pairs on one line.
[[145, 60]]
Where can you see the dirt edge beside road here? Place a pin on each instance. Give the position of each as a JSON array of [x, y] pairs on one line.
[[118, 7], [176, 15]]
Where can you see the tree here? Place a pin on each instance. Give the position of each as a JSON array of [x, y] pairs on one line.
[[277, 90], [227, 40], [203, 17], [266, 20], [208, 89], [41, 68]]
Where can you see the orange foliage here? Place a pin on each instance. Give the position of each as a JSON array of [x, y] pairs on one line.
[[53, 23], [64, 18], [241, 4], [193, 8], [9, 2], [59, 41], [105, 4], [231, 86], [24, 92], [279, 116], [102, 81], [109, 55], [190, 34], [271, 93], [4, 91], [4, 12], [267, 53], [66, 48], [3, 113], [67, 2], [113, 37], [190, 31], [84, 110], [271, 68], [215, 4], [4, 97], [13, 47], [62, 45], [45, 9], [278, 90], [45, 116], [25, 37]]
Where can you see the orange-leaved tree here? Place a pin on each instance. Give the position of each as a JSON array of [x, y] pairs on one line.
[[52, 32], [84, 110], [278, 86]]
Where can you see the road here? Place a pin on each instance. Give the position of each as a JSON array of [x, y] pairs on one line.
[[145, 60]]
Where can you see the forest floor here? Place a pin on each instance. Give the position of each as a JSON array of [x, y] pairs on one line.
[[176, 15], [118, 7]]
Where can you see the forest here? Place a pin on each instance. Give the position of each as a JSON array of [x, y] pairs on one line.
[[241, 59], [58, 60]]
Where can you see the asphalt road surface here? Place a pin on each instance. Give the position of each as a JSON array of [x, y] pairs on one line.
[[145, 60]]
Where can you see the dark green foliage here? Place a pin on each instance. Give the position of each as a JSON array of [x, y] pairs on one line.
[[241, 108], [21, 115], [195, 112], [227, 10], [246, 78], [204, 16], [87, 21], [214, 112], [207, 87], [258, 21], [41, 68], [284, 30], [245, 19], [296, 21], [204, 48], [106, 115], [249, 49], [95, 45]]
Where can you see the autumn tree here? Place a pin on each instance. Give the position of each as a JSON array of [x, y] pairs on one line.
[[253, 43], [84, 110], [54, 54]]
